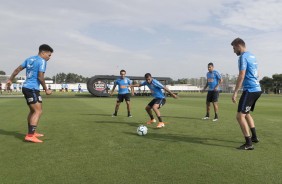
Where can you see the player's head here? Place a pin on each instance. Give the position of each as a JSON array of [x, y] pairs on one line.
[[148, 77], [210, 67], [238, 46], [45, 51], [122, 73]]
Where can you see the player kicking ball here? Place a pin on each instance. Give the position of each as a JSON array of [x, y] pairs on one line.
[[159, 98]]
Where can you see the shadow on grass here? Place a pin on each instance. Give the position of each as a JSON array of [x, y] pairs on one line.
[[134, 124], [93, 114], [12, 133], [181, 117], [187, 138]]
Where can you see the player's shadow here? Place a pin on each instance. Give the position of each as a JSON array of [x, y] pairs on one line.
[[12, 133], [187, 138]]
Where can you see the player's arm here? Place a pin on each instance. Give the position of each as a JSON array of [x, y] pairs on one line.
[[14, 74], [43, 84], [114, 87], [205, 87], [132, 88], [238, 84], [218, 84], [169, 92]]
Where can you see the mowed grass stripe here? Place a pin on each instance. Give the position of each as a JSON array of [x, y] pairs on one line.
[[84, 144]]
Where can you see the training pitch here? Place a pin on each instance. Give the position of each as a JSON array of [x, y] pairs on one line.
[[84, 144]]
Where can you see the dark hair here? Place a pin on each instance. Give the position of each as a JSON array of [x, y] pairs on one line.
[[122, 71], [238, 41], [210, 64], [45, 47], [148, 75]]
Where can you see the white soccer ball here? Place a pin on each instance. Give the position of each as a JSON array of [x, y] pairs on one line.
[[142, 130]]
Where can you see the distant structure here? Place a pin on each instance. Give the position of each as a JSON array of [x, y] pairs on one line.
[[99, 85]]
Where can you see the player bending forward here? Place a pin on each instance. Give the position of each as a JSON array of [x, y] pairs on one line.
[[159, 98]]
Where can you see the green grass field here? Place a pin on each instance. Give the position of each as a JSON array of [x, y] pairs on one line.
[[84, 144]]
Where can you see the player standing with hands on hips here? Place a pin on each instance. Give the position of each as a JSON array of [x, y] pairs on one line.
[[248, 78], [35, 68], [159, 98], [214, 80]]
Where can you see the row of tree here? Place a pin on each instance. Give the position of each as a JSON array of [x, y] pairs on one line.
[[62, 78], [68, 78], [269, 85], [272, 85]]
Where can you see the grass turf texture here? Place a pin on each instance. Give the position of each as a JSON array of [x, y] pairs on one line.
[[84, 144]]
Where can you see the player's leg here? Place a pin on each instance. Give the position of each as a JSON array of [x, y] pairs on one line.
[[215, 107], [148, 109], [119, 100], [208, 103], [253, 99], [158, 113], [252, 127], [207, 116], [33, 119], [242, 112], [158, 104], [127, 100], [116, 108], [34, 116], [34, 102], [215, 104], [241, 118]]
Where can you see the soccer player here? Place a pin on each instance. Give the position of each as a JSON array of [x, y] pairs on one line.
[[35, 68], [123, 84], [159, 98], [213, 82], [248, 78], [79, 88]]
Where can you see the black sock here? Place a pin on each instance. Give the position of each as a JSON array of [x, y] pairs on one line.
[[151, 116], [160, 119], [128, 113], [254, 134], [31, 129], [208, 114], [248, 140], [115, 113], [215, 116]]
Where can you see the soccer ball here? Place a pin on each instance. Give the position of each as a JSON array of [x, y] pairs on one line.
[[142, 130]]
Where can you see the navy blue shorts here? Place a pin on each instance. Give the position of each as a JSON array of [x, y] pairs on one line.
[[248, 101], [32, 96], [160, 101], [122, 97], [212, 96]]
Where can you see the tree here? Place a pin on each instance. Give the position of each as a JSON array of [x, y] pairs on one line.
[[266, 84], [69, 78], [60, 77], [2, 72], [48, 78], [277, 83]]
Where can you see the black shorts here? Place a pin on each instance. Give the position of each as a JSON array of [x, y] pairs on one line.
[[160, 101], [212, 96], [32, 96], [122, 97], [248, 101]]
